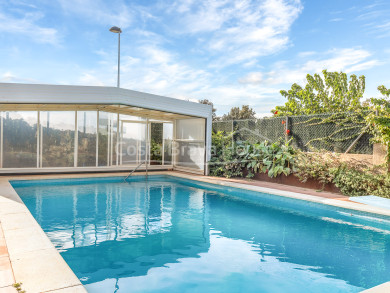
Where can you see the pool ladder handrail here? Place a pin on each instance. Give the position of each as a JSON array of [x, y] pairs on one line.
[[135, 169]]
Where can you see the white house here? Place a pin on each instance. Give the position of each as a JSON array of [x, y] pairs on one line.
[[60, 128]]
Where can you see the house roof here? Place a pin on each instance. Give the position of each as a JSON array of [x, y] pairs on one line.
[[18, 93]]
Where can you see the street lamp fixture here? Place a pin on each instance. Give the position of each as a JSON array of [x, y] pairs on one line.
[[118, 31]]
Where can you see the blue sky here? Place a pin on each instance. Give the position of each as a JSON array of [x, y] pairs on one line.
[[231, 52]]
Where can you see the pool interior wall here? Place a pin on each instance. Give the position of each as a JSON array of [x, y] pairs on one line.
[[321, 247]]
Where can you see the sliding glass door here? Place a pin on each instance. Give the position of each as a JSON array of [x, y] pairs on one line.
[[133, 142]]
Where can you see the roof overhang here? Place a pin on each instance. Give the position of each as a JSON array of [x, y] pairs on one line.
[[17, 93]]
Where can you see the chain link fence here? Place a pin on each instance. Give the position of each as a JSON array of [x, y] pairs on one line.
[[340, 133]]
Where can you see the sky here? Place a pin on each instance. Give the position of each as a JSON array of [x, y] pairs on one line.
[[230, 52]]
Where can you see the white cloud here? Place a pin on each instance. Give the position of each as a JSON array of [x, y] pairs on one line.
[[27, 25], [11, 77], [241, 30], [383, 29], [203, 16], [306, 54], [156, 70], [90, 79], [374, 18], [114, 12], [7, 77], [252, 78], [363, 66], [349, 60]]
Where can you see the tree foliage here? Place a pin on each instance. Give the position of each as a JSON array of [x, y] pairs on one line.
[[331, 94], [379, 118], [236, 113], [208, 102]]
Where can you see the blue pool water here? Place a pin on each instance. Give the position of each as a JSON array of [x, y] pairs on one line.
[[174, 235]]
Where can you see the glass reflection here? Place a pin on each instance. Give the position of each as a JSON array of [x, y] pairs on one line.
[[19, 139], [86, 124], [57, 131]]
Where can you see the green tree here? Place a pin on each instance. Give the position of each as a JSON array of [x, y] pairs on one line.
[[384, 91], [236, 113], [379, 119], [331, 94], [208, 102]]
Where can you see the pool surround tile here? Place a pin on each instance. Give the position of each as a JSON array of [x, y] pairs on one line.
[[43, 270], [6, 273], [383, 288], [32, 258], [8, 289]]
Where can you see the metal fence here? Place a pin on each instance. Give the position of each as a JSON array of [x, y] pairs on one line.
[[331, 132]]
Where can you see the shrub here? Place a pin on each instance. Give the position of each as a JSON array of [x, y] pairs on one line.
[[229, 159], [274, 159], [353, 178], [224, 160], [320, 167], [356, 179]]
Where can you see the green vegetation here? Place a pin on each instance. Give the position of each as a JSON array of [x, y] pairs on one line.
[[224, 160], [379, 119], [353, 178], [348, 120], [232, 159], [236, 113], [156, 151], [208, 102], [18, 287], [331, 94], [273, 159], [156, 142]]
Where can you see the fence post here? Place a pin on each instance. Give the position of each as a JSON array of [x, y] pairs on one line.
[[285, 131]]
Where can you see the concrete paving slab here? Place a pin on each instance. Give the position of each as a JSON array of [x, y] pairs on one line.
[[25, 240], [17, 221], [383, 288], [8, 289], [42, 270], [6, 274], [12, 207], [73, 289]]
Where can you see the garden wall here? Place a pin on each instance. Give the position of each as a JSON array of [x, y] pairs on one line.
[[294, 181]]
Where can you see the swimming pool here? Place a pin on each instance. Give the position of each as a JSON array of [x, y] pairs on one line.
[[168, 234]]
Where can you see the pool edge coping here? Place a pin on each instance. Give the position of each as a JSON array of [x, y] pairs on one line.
[[35, 262], [11, 197], [295, 195]]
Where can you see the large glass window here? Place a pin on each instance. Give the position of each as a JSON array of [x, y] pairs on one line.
[[108, 131], [133, 146], [19, 139], [57, 137], [81, 136], [190, 154], [190, 129], [167, 139], [189, 146], [114, 139], [87, 127], [103, 139]]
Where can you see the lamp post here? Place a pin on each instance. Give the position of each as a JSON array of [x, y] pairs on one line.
[[118, 31]]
